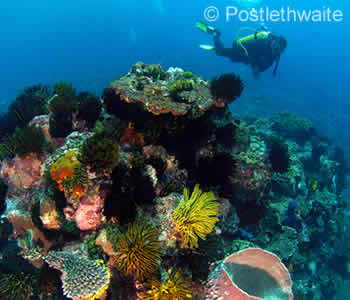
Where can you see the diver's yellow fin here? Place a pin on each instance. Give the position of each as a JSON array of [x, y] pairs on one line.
[[206, 47], [205, 27]]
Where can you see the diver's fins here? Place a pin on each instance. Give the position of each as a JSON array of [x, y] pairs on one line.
[[207, 47], [205, 27]]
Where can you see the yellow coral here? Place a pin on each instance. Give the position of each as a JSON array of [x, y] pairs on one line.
[[138, 251], [195, 216], [177, 287]]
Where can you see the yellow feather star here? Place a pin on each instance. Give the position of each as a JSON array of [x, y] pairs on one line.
[[195, 216]]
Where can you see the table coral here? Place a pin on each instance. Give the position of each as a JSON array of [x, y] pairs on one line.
[[82, 278], [154, 94]]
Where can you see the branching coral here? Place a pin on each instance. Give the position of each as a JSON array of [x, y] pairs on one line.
[[17, 286], [138, 251], [195, 216], [177, 287]]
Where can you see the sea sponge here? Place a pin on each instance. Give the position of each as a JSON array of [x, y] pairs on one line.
[[65, 167], [195, 216], [100, 153], [138, 251]]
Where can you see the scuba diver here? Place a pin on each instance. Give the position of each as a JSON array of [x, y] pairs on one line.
[[258, 50]]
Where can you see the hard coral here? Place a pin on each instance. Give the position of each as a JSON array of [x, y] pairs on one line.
[[138, 251], [195, 216], [226, 88], [100, 154], [82, 278]]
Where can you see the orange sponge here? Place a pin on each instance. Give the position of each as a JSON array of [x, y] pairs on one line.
[[64, 167]]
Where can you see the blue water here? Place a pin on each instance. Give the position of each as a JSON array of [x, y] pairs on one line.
[[89, 44]]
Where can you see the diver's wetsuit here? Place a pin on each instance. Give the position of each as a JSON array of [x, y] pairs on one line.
[[261, 54]]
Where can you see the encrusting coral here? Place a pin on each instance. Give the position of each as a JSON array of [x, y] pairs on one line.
[[195, 216]]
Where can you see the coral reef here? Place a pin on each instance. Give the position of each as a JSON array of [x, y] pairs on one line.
[[155, 93], [99, 194]]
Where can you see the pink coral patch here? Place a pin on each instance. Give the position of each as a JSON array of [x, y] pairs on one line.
[[89, 214]]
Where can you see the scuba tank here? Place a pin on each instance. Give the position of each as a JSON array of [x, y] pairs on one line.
[[252, 38]]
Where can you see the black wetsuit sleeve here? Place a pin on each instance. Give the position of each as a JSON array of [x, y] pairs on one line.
[[276, 65], [220, 49]]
